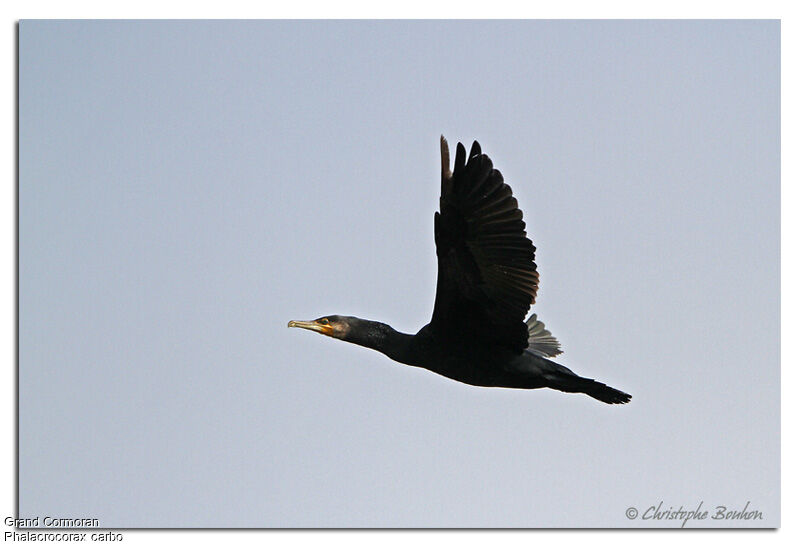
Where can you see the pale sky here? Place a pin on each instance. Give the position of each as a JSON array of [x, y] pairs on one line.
[[186, 188]]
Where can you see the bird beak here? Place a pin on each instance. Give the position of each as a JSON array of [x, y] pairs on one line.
[[311, 325]]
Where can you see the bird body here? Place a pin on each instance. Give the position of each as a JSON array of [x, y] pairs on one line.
[[487, 280]]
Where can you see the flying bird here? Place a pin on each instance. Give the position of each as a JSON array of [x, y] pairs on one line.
[[487, 281]]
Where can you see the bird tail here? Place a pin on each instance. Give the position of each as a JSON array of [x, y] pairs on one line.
[[565, 380]]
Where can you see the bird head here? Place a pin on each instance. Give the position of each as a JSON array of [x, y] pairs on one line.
[[331, 325]]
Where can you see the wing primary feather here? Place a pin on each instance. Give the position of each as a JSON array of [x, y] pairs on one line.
[[461, 156], [475, 150], [445, 150]]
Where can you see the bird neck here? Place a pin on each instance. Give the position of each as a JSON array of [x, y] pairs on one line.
[[383, 338]]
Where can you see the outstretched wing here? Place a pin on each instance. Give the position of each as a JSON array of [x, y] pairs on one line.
[[541, 341], [487, 275]]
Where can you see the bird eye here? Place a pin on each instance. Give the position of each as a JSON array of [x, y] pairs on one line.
[[323, 321]]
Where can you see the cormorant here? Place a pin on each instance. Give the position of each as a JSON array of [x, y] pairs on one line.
[[487, 280]]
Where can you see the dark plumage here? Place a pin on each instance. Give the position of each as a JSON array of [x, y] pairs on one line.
[[487, 281]]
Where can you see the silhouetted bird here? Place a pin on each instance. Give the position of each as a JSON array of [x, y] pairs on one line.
[[487, 281]]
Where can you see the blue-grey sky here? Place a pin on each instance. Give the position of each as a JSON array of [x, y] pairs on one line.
[[188, 187]]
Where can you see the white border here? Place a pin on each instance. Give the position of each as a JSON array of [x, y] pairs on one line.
[[609, 9]]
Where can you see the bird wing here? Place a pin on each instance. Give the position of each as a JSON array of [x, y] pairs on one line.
[[541, 341], [487, 276]]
